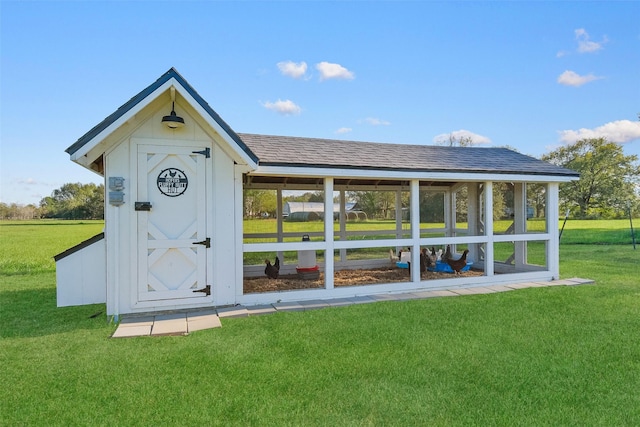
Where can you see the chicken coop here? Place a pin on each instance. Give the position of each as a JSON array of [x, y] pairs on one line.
[[175, 237]]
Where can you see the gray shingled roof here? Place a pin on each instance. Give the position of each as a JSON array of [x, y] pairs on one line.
[[328, 153]]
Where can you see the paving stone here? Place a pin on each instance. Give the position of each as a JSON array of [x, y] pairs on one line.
[[235, 311], [476, 290], [552, 283], [170, 324], [339, 302], [198, 323], [131, 330], [579, 281], [288, 306], [314, 304], [194, 315], [500, 288], [541, 284], [139, 321], [362, 299], [384, 297], [521, 285], [444, 293], [256, 310]]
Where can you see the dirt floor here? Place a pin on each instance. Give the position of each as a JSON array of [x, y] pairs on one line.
[[343, 278]]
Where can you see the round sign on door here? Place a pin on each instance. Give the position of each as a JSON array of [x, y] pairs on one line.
[[172, 182]]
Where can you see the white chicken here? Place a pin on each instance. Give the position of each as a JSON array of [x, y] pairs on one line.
[[392, 257]]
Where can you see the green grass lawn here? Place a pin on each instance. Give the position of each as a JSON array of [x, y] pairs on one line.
[[539, 356]]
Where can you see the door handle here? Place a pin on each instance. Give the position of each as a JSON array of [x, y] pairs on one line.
[[143, 206]]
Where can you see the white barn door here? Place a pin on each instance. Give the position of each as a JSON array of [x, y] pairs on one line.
[[172, 233]]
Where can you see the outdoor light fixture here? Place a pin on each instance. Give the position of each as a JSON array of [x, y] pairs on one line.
[[173, 121]]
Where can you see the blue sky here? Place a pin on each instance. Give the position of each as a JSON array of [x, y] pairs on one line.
[[530, 75]]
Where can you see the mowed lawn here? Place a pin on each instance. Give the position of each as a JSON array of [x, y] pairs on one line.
[[539, 356]]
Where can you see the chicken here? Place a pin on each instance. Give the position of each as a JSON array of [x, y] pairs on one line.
[[392, 257], [458, 264], [447, 255], [423, 260], [272, 271], [426, 259], [433, 258]]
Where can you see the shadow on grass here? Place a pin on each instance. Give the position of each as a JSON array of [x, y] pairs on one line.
[[33, 313]]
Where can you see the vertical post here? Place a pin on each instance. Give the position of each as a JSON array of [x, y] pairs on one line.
[[415, 230], [328, 233], [116, 273], [553, 245], [472, 218], [343, 223], [239, 233], [520, 222], [447, 213], [488, 228], [279, 227], [398, 215]]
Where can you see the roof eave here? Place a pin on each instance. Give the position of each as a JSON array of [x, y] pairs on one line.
[[305, 170]]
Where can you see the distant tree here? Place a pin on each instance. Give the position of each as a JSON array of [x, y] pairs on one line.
[[608, 178], [456, 141], [258, 201], [18, 211], [376, 204], [74, 201]]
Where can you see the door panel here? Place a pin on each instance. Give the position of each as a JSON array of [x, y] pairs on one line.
[[171, 264]]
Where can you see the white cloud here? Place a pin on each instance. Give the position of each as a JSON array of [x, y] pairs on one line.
[[585, 44], [458, 134], [28, 181], [329, 70], [286, 108], [344, 130], [374, 122], [620, 131], [293, 69], [571, 78]]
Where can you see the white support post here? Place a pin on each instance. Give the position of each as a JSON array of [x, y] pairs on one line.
[[450, 216], [553, 245], [398, 215], [239, 235], [472, 218], [447, 213], [488, 228], [343, 223], [279, 226], [415, 230], [328, 233], [520, 222]]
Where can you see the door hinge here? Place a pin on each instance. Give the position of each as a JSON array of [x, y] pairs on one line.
[[206, 152], [206, 242], [206, 290]]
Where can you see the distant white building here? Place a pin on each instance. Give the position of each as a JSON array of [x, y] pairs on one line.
[[312, 211]]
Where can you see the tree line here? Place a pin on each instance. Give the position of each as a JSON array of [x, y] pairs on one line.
[[71, 201], [609, 187]]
